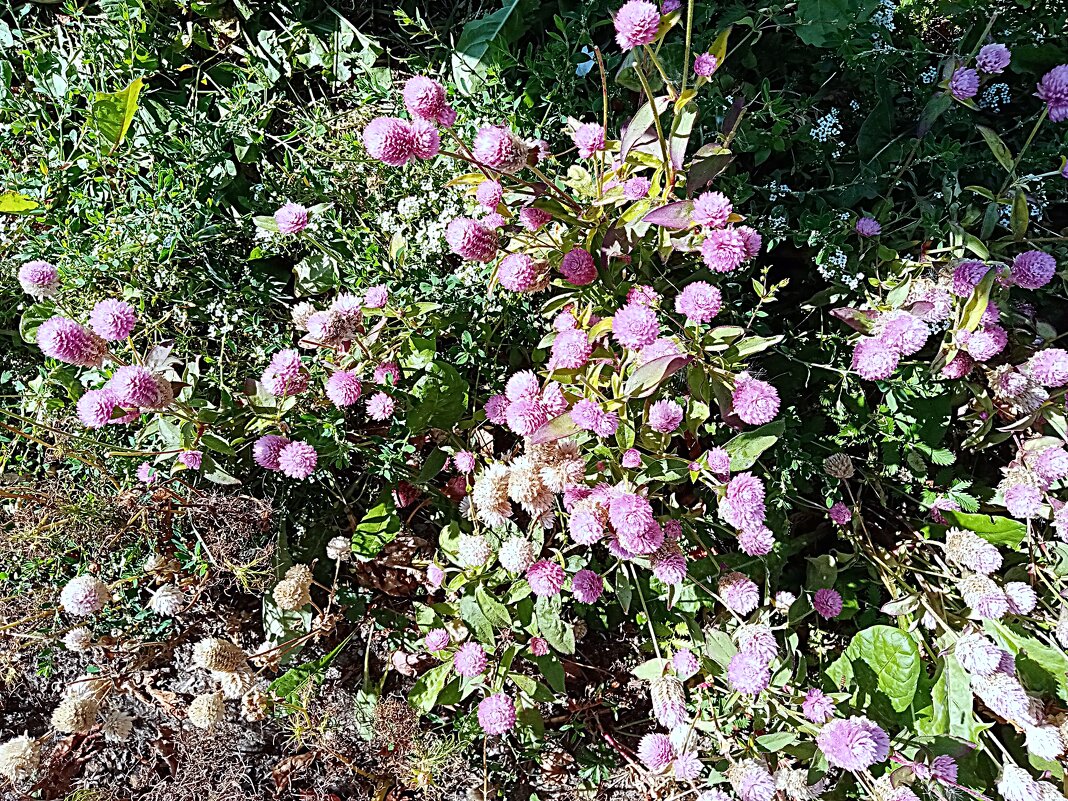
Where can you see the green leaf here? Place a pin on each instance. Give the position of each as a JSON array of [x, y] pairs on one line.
[[472, 55], [823, 22], [975, 308], [494, 610], [280, 625], [111, 113], [950, 712], [624, 591], [935, 108], [440, 398], [997, 530], [746, 448], [997, 147], [1021, 215], [1041, 668], [210, 469], [429, 686], [16, 203], [648, 377], [777, 741], [639, 124], [552, 670], [315, 274], [217, 443], [650, 670], [557, 428], [290, 683], [378, 527], [473, 616], [33, 317], [893, 658], [560, 634]]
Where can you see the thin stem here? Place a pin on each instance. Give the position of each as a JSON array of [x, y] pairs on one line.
[[656, 118], [648, 617]]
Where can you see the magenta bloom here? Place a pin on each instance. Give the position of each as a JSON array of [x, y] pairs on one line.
[[705, 64], [587, 586], [743, 504], [578, 267], [724, 250], [526, 416], [112, 319], [1030, 270], [291, 218], [873, 360], [390, 140], [464, 461], [39, 278], [993, 58], [630, 459], [636, 188], [755, 402], [841, 514], [1053, 90], [469, 659], [539, 646], [570, 350], [827, 603], [665, 416], [545, 578], [1049, 367], [496, 714], [265, 451], [134, 385], [489, 194], [739, 593], [630, 514], [712, 209], [967, 276], [655, 750], [343, 388], [95, 407], [817, 707], [642, 295], [748, 674], [285, 375], [589, 139], [471, 239], [668, 563], [147, 473], [699, 301], [387, 373], [68, 341], [436, 640], [756, 541], [584, 526], [499, 149], [424, 98], [959, 367], [191, 459], [868, 226], [635, 326], [380, 407], [636, 24], [533, 218], [854, 744], [426, 141], [497, 409], [376, 297], [518, 272], [902, 332], [297, 459], [964, 84]]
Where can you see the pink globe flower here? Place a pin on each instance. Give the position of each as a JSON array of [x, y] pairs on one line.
[[499, 149], [748, 674], [755, 402], [993, 58], [587, 586], [570, 350], [636, 24], [642, 295], [464, 462], [631, 515], [1053, 91], [63, 339], [291, 218], [469, 660], [868, 227], [497, 409], [390, 140], [712, 209], [959, 366], [84, 596], [687, 766], [436, 640], [191, 459], [343, 388], [285, 375], [1051, 464], [668, 562], [964, 84], [631, 459], [685, 663], [134, 385], [387, 374], [902, 332], [1049, 367], [853, 744], [1031, 269], [435, 576], [265, 451], [376, 297], [147, 473], [493, 220], [588, 138], [95, 407], [424, 98], [699, 302], [636, 188], [966, 277], [297, 459], [552, 398], [751, 241], [705, 64], [533, 218], [447, 117], [841, 514], [827, 603], [496, 714], [518, 272], [380, 407], [719, 461], [739, 593], [585, 526], [743, 503], [635, 326], [873, 360], [112, 320], [724, 250], [1023, 501], [426, 141], [526, 416], [665, 416], [1021, 597], [489, 194], [756, 541], [545, 577], [817, 707], [985, 343], [539, 646], [655, 750], [578, 267], [470, 239], [38, 279]]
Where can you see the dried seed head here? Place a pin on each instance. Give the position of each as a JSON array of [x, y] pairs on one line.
[[211, 653], [19, 758], [291, 595], [78, 639], [234, 684], [254, 705], [339, 549], [206, 710], [116, 725], [838, 465], [300, 574], [167, 601], [75, 714]]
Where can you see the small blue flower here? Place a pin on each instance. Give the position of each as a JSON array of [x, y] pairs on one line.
[[583, 69]]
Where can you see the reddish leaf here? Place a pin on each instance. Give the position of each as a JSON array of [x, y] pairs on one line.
[[674, 215]]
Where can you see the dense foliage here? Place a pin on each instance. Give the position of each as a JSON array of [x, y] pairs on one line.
[[553, 400]]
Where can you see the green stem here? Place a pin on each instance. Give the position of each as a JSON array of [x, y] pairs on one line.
[[656, 122], [1020, 155], [648, 617]]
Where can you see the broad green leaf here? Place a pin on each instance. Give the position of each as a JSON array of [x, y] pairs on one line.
[[639, 124], [471, 57], [951, 711], [560, 634], [822, 23], [650, 670], [557, 428], [217, 443], [112, 112], [552, 670], [997, 147], [32, 318], [894, 659], [1042, 668], [997, 530], [676, 216], [429, 686], [290, 683], [494, 610], [377, 528], [473, 616], [975, 308], [648, 377], [440, 397], [16, 203], [719, 47], [746, 448], [210, 470], [315, 274]]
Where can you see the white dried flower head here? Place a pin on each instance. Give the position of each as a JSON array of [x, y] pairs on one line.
[[794, 784], [301, 312], [473, 550], [968, 549], [516, 554], [84, 595], [234, 684], [884, 789], [206, 710], [167, 601], [838, 465], [1004, 695], [669, 701], [254, 705], [75, 714], [757, 639], [19, 758], [87, 687], [783, 601], [986, 599], [1016, 784], [1061, 630], [581, 629], [977, 654], [526, 488], [291, 595], [301, 574], [339, 549], [78, 639], [1044, 741], [1022, 598], [116, 725], [216, 654], [489, 495]]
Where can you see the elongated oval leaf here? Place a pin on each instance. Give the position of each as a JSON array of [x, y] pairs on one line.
[[639, 124], [649, 376], [557, 428], [893, 658], [112, 112], [746, 448], [676, 216]]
